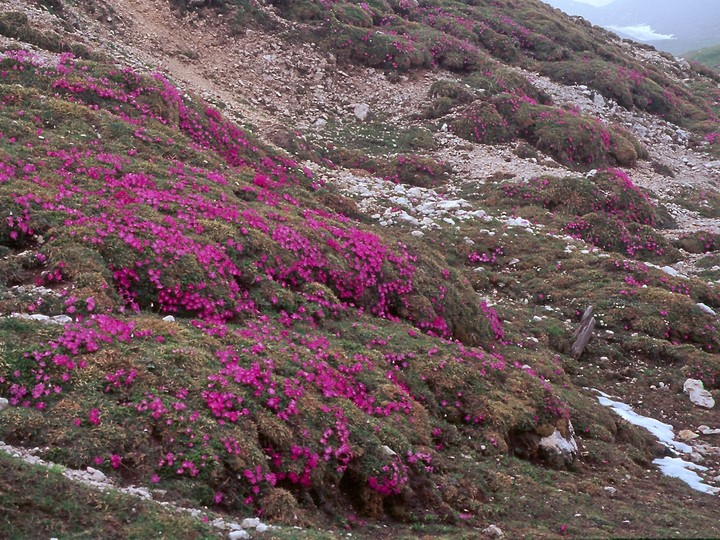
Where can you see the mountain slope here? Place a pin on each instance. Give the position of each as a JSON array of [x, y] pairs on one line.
[[370, 326]]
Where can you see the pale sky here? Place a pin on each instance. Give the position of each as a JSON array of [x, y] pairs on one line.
[[596, 3]]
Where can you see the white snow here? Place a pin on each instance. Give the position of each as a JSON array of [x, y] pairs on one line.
[[664, 432], [670, 466], [679, 468]]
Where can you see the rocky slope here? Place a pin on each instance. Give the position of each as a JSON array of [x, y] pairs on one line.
[[322, 263]]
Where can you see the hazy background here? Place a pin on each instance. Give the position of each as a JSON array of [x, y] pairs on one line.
[[676, 26]]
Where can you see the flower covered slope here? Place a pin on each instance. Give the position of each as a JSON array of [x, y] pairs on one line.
[[186, 308], [308, 352]]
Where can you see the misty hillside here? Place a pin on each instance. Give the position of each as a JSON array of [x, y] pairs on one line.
[[385, 269], [693, 24], [709, 56]]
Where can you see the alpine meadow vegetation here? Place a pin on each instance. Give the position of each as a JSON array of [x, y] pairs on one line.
[[193, 306]]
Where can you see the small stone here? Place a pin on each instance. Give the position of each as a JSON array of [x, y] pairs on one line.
[[707, 309], [401, 201], [4, 403], [250, 523], [169, 318], [361, 111], [705, 430], [238, 535], [449, 205], [518, 222], [389, 451], [493, 531], [261, 528], [687, 435], [95, 475], [610, 491]]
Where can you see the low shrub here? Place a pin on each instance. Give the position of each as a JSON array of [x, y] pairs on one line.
[[481, 122]]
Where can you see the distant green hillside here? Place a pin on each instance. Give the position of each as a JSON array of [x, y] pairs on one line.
[[710, 56]]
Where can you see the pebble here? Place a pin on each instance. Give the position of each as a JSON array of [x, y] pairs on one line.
[[687, 435], [250, 523], [96, 475], [493, 531], [705, 430]]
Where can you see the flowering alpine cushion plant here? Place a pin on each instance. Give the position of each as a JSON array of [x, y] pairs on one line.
[[287, 372]]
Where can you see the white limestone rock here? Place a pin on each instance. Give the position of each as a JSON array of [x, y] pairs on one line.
[[558, 449], [698, 395], [707, 309], [250, 523], [493, 531], [361, 111]]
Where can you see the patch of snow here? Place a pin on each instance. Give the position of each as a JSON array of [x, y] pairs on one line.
[[685, 471], [663, 432], [669, 466]]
